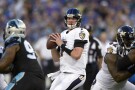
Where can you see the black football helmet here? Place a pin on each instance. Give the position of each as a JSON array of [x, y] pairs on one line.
[[73, 13], [125, 36]]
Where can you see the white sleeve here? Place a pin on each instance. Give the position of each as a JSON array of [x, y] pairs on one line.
[[82, 35], [3, 83]]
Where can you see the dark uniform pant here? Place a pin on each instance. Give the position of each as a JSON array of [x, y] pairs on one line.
[[91, 72]]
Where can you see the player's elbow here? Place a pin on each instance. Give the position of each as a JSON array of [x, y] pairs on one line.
[[118, 79], [56, 60], [76, 53]]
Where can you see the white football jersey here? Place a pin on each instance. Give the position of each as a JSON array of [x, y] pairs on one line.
[[67, 63], [104, 77]]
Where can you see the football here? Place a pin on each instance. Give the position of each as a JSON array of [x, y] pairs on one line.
[[50, 45]]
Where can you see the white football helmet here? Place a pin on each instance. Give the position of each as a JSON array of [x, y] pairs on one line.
[[15, 27]]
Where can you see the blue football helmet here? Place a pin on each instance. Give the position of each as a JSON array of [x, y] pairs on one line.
[[125, 36], [15, 27], [73, 13]]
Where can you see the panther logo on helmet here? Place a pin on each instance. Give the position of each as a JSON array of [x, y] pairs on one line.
[[73, 13], [15, 27]]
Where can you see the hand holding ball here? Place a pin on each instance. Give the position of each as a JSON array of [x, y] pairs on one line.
[[50, 44]]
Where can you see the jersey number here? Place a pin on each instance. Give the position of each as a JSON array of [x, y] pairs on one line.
[[29, 49]]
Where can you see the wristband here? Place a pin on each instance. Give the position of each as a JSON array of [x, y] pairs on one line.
[[68, 51]]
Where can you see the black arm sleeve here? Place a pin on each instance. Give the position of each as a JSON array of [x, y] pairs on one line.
[[123, 63], [80, 43]]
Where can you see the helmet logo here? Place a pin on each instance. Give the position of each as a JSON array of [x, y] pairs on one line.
[[12, 24], [70, 15], [123, 33]]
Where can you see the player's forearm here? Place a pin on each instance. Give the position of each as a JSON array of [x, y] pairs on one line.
[[55, 55], [7, 69], [76, 53], [121, 76], [123, 63], [117, 75]]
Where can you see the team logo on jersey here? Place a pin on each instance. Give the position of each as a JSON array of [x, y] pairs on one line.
[[109, 50], [82, 35]]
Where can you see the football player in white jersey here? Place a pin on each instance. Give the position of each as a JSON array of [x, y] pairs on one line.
[[73, 44], [3, 83], [109, 78]]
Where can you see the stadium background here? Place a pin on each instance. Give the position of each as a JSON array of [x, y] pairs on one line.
[[43, 17]]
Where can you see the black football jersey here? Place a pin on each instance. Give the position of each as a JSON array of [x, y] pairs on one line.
[[25, 59]]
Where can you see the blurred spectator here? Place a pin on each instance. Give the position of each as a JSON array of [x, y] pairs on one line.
[[39, 13], [43, 16], [104, 41]]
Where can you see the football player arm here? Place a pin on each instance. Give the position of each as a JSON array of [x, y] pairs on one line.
[[126, 61], [55, 55], [76, 52], [117, 75], [8, 58]]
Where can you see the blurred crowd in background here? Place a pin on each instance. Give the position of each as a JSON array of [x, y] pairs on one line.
[[43, 17]]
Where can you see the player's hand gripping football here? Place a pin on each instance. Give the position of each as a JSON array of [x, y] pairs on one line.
[[112, 48], [57, 39]]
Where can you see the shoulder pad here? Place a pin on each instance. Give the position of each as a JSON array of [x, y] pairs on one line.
[[12, 40]]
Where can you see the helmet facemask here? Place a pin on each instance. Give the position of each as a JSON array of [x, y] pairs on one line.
[[73, 13], [126, 38]]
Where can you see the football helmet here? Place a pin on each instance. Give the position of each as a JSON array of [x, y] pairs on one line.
[[125, 36], [15, 27], [73, 13]]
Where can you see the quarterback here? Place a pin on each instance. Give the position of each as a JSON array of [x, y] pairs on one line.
[[72, 51]]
